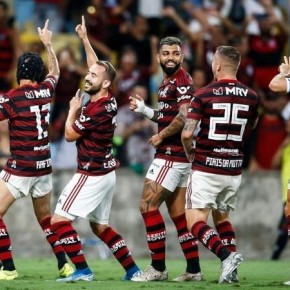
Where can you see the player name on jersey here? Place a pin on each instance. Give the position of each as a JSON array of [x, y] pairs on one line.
[[226, 163]]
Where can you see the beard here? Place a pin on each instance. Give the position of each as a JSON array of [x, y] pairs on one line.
[[93, 89], [170, 70]]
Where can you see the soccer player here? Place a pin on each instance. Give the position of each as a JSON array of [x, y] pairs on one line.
[[90, 191], [281, 83], [227, 110], [167, 176], [28, 170]]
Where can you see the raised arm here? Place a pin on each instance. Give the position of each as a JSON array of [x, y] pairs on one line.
[[45, 36], [81, 30], [281, 81]]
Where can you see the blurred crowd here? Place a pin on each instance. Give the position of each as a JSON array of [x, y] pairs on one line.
[[127, 32]]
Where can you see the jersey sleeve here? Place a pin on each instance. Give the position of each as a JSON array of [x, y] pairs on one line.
[[195, 109], [7, 108], [49, 83]]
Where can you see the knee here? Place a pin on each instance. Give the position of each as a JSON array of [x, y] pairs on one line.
[[53, 220], [97, 229], [219, 217], [146, 205], [57, 218]]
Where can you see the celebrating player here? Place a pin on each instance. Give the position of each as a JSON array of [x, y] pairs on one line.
[[90, 191], [281, 83], [226, 110], [28, 170], [167, 176]]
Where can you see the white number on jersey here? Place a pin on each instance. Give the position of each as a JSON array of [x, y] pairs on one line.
[[230, 117], [37, 110]]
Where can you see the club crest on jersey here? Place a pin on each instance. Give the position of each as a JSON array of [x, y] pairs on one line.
[[162, 93], [44, 93], [218, 92]]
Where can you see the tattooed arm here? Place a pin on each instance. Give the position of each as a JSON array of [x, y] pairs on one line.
[[187, 137], [45, 36], [174, 127]]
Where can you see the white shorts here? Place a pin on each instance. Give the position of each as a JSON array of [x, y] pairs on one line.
[[21, 186], [169, 174], [214, 191], [87, 197]]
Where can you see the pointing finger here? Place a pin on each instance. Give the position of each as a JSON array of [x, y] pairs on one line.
[[46, 24]]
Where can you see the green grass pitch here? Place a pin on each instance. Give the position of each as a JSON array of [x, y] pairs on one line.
[[40, 274]]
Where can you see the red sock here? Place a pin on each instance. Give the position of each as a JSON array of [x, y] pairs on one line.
[[71, 243], [52, 239], [156, 236], [210, 239], [188, 243], [5, 248], [118, 247], [227, 235]]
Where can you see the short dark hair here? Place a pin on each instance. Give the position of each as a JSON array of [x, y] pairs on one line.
[[169, 40], [230, 53], [30, 67], [110, 70]]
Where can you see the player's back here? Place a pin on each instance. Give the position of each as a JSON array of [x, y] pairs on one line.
[[27, 109], [226, 108]]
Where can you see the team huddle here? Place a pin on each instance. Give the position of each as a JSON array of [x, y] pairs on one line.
[[196, 171]]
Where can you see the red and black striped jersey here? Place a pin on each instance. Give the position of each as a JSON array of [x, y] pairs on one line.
[[27, 109], [173, 93], [96, 124], [225, 109]]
